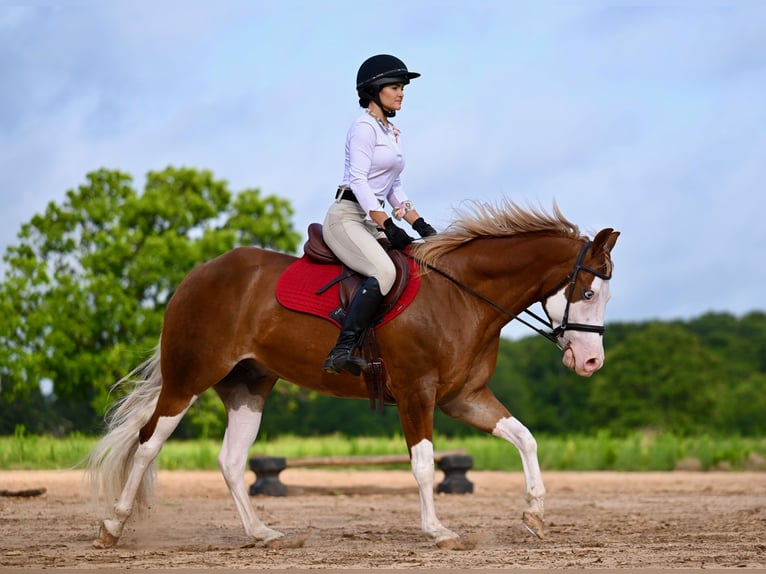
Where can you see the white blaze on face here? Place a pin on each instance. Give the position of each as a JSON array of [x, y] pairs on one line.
[[584, 351], [555, 305]]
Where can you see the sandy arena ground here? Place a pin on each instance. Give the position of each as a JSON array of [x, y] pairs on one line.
[[370, 520]]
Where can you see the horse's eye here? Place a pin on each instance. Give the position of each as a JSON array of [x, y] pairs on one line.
[[588, 294]]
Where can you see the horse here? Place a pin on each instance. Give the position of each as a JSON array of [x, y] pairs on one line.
[[224, 328]]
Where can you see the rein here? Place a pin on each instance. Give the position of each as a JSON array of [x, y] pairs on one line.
[[554, 334]]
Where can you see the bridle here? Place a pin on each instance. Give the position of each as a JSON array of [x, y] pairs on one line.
[[555, 332], [572, 279]]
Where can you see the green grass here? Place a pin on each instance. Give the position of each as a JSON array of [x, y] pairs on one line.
[[636, 452]]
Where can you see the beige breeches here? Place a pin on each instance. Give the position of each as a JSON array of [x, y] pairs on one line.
[[354, 240]]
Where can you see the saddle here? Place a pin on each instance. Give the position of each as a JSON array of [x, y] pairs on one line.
[[349, 282]]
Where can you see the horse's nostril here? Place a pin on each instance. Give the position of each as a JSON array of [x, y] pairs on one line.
[[593, 364]]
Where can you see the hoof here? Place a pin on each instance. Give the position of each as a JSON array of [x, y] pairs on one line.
[[467, 542], [286, 542], [105, 538], [533, 523], [445, 539]]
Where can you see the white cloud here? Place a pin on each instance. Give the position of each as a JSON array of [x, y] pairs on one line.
[[645, 117]]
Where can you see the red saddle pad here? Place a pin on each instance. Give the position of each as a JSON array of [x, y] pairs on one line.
[[298, 285]]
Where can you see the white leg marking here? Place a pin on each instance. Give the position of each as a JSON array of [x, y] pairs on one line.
[[244, 420], [517, 434], [143, 457], [423, 469]]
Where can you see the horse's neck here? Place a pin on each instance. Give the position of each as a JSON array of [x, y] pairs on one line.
[[513, 273]]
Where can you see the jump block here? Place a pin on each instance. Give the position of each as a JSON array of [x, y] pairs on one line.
[[267, 469], [454, 464]]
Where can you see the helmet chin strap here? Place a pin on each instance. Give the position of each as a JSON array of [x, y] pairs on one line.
[[376, 98]]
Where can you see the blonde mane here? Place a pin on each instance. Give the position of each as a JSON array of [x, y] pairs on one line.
[[504, 219]]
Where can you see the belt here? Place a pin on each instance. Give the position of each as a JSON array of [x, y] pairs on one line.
[[346, 193]]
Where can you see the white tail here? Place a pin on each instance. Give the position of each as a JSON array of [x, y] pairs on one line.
[[110, 460]]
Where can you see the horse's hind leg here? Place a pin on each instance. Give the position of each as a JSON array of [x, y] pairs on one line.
[[151, 438], [243, 393], [482, 410]]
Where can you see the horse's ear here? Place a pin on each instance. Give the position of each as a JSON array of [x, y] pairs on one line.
[[605, 240]]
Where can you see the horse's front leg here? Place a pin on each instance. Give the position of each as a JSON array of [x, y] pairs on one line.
[[511, 429], [416, 413], [481, 409], [422, 458]]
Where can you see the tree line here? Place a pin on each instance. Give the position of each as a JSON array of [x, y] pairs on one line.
[[82, 299], [702, 376]]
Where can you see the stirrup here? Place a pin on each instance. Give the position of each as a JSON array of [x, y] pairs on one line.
[[343, 360]]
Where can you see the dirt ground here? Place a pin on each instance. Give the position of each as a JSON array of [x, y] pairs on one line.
[[370, 520]]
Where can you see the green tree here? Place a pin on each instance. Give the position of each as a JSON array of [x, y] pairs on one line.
[[660, 377], [743, 406], [532, 382], [86, 287], [741, 341]]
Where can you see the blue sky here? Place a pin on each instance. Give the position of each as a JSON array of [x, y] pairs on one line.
[[645, 116]]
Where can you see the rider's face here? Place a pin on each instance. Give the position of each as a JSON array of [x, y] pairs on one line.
[[391, 96]]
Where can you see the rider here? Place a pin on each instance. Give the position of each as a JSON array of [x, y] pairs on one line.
[[356, 220]]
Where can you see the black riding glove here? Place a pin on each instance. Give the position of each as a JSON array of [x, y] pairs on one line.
[[396, 235], [423, 228]]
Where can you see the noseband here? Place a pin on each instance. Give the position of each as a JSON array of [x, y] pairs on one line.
[[572, 279], [565, 325]]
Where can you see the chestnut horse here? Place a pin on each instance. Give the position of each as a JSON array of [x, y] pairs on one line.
[[224, 328]]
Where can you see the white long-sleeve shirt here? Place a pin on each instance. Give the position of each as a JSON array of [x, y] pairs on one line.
[[374, 161]]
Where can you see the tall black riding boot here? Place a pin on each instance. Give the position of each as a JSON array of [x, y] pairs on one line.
[[363, 308]]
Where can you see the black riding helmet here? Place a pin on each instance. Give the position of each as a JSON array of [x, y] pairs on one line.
[[379, 71]]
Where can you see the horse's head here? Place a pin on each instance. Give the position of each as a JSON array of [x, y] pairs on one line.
[[538, 242], [577, 310]]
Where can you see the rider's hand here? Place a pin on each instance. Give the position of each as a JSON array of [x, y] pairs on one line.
[[396, 235], [423, 228]]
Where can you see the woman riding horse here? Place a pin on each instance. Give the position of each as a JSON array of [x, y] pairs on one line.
[[356, 220]]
